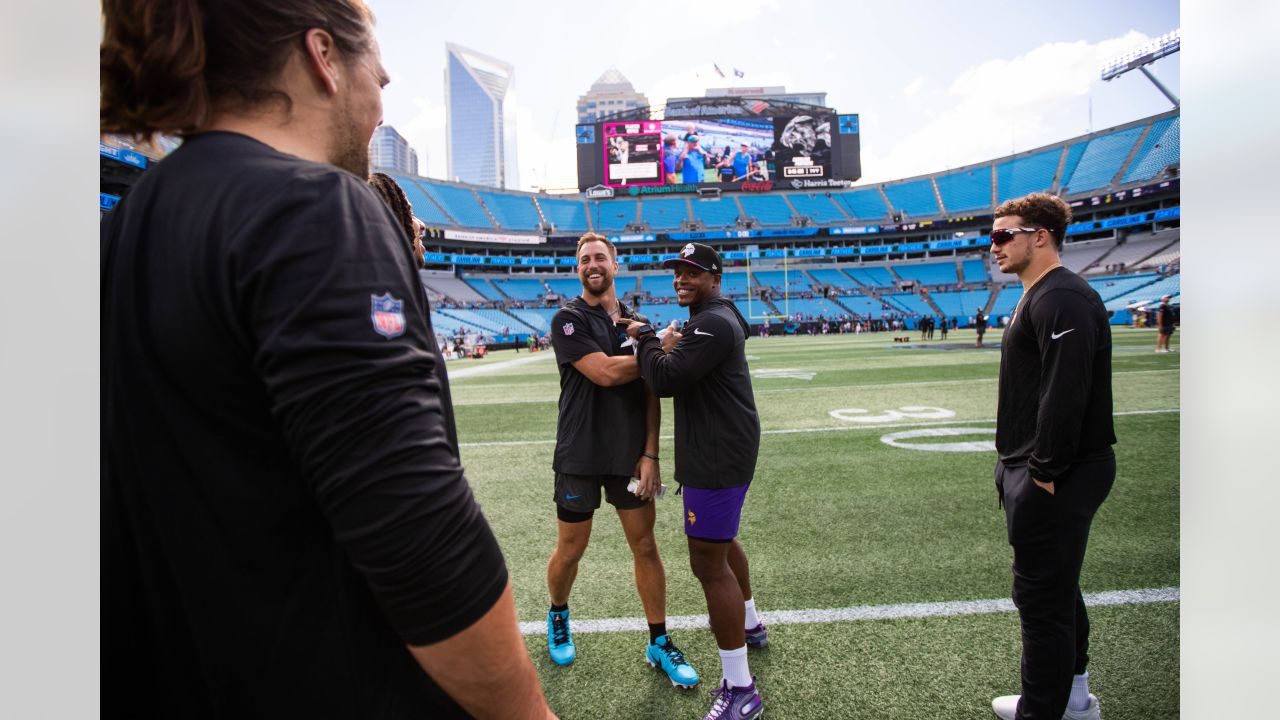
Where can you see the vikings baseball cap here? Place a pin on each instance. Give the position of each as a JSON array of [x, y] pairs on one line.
[[703, 257]]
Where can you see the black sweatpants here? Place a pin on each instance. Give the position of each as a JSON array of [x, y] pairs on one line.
[[1049, 534]]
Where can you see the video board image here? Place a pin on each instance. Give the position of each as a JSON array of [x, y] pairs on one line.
[[633, 153], [717, 151], [802, 146]]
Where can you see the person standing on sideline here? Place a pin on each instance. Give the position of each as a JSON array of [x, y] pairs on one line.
[[286, 528], [1056, 465], [704, 367], [607, 434], [980, 325], [1164, 325]]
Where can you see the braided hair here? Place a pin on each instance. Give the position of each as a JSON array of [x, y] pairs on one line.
[[393, 195]]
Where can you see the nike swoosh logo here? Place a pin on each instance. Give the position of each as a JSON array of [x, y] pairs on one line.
[[1055, 336], [699, 332], [572, 497]]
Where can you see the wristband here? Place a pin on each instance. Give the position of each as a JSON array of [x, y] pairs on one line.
[[651, 457]]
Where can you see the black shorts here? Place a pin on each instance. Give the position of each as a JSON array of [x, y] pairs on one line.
[[581, 493], [1166, 331]]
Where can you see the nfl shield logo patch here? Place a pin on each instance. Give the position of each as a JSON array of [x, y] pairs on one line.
[[388, 315], [567, 328]]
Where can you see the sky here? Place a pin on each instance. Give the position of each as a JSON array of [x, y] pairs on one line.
[[937, 84]]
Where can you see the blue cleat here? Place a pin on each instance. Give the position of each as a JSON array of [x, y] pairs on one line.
[[663, 654], [757, 637], [559, 640], [735, 703]]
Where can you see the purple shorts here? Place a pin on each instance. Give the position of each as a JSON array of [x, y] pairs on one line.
[[713, 515]]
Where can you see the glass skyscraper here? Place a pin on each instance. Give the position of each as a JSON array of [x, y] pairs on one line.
[[390, 152], [480, 123]]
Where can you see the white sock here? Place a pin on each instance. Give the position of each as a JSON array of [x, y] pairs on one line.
[[1079, 699], [733, 665], [752, 619]]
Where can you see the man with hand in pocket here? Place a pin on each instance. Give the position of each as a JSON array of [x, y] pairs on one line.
[[1054, 434]]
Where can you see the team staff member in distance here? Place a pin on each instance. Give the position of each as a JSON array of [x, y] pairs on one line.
[[717, 439], [1054, 435], [606, 434]]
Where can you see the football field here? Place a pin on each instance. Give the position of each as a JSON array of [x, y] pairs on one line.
[[878, 554]]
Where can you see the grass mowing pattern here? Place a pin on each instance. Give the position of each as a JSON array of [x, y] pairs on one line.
[[838, 518]]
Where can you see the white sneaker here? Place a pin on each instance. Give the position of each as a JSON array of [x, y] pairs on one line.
[[1006, 706]]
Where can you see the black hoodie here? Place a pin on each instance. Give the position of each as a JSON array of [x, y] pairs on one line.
[[717, 427]]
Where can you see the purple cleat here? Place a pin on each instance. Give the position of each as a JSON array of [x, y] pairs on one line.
[[735, 703], [757, 637]]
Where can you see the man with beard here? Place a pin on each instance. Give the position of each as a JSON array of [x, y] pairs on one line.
[[286, 527], [704, 367], [606, 436]]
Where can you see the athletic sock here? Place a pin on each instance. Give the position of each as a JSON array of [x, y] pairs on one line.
[[656, 630], [751, 618], [559, 608], [1079, 699], [733, 665]]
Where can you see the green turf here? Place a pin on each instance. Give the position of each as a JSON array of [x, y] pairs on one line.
[[835, 518]]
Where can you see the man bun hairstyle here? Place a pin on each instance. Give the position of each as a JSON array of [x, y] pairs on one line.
[[1043, 209], [596, 237], [168, 66]]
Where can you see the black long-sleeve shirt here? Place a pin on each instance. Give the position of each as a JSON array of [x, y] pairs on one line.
[[717, 426], [283, 507], [1055, 406]]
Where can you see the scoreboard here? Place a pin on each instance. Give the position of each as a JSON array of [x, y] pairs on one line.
[[793, 150]]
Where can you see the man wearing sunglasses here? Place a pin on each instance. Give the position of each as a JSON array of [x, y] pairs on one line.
[[1054, 435]]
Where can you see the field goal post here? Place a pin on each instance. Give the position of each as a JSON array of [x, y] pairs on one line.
[[753, 303]]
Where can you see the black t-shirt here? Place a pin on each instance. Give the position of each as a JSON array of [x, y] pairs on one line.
[[601, 430], [1164, 314], [980, 322], [282, 507], [1054, 408]]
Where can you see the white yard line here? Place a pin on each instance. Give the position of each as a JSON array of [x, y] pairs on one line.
[[502, 365], [863, 612], [830, 428]]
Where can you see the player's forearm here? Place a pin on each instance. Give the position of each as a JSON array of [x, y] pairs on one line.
[[653, 423], [486, 668]]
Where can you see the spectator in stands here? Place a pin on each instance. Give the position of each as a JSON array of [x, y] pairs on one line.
[[286, 528], [1054, 433], [692, 162], [1164, 324], [670, 156], [606, 437], [717, 442]]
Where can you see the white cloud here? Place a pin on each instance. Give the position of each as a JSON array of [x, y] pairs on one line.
[[995, 107], [913, 87], [425, 133]]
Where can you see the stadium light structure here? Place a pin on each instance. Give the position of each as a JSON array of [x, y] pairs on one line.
[[1140, 58]]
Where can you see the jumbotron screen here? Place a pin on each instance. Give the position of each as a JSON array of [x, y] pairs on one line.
[[794, 151]]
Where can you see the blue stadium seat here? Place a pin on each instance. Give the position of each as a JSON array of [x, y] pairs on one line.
[[815, 307], [876, 277], [513, 212], [564, 286], [975, 271], [909, 302], [821, 209], [1101, 161], [1149, 293], [664, 213], [734, 283], [788, 281], [566, 215], [835, 278], [461, 203], [864, 204], [1159, 150], [716, 214], [769, 210], [1022, 176], [864, 306], [482, 286], [915, 198], [757, 311], [1006, 301], [961, 303], [521, 288], [966, 190], [423, 207], [616, 215], [943, 273], [539, 319]]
